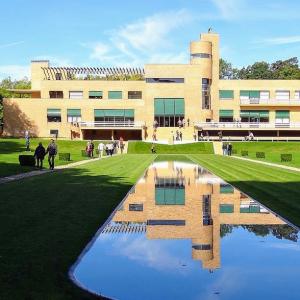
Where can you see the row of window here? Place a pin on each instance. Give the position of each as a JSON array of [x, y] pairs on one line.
[[229, 208], [258, 95], [281, 116], [97, 94], [102, 115]]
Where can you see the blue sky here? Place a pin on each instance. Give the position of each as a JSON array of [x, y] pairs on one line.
[[135, 32]]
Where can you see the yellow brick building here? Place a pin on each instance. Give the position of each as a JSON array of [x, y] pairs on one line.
[[101, 103]]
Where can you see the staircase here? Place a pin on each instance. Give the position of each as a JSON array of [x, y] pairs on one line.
[[218, 148]]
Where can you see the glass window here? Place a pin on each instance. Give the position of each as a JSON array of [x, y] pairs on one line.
[[74, 115], [134, 95], [58, 76], [76, 94], [115, 95], [282, 117], [200, 55], [205, 93], [226, 208], [95, 94], [282, 95], [135, 207], [164, 80], [297, 95], [166, 222], [225, 94], [56, 94], [53, 115]]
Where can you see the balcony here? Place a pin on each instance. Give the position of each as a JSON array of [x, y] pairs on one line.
[[246, 125], [269, 102], [111, 124]]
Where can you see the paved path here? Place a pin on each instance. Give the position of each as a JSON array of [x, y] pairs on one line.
[[268, 164], [44, 171]]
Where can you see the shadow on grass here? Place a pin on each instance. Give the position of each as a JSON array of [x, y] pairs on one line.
[[9, 146], [8, 169], [45, 223]]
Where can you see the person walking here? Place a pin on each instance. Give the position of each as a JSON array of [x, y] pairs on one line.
[[195, 136], [51, 151], [179, 123], [92, 148], [220, 135], [39, 155], [229, 149], [180, 136], [101, 149], [224, 148], [122, 145], [27, 140], [188, 122]]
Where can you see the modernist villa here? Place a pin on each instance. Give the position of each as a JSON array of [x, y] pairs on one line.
[[102, 102]]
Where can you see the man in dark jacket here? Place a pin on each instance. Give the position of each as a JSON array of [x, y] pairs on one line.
[[52, 150], [39, 155]]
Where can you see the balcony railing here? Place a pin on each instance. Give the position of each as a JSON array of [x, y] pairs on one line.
[[269, 102], [108, 124], [245, 125]]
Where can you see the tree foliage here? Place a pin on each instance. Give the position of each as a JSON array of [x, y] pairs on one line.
[[8, 83], [281, 69]]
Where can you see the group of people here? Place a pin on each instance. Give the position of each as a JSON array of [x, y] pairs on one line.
[[227, 149], [109, 148], [40, 153], [177, 136]]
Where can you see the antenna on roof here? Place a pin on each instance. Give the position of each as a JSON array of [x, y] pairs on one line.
[[210, 30]]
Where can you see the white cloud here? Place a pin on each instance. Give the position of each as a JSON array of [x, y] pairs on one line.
[[283, 40], [147, 40], [14, 71], [11, 44], [229, 9]]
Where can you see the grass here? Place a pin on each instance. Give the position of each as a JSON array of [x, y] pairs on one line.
[[193, 148], [277, 188], [10, 149], [172, 157], [272, 151], [46, 221]]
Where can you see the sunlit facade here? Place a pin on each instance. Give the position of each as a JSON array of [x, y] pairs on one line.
[[102, 102]]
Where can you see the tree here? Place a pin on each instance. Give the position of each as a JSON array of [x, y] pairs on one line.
[[259, 70], [8, 83], [226, 70]]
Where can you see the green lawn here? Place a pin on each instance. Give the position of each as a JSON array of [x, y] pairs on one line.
[[272, 151], [193, 148], [10, 149], [46, 221], [277, 188]]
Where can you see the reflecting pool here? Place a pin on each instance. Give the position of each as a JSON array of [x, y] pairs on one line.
[[183, 233]]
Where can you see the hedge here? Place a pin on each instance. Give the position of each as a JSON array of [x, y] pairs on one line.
[[64, 156], [260, 155], [27, 160], [244, 153], [286, 157]]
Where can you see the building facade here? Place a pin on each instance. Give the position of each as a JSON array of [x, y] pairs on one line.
[[142, 104]]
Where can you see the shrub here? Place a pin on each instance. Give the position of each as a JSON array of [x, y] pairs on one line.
[[27, 160], [64, 156], [244, 153], [286, 157], [260, 155], [234, 151]]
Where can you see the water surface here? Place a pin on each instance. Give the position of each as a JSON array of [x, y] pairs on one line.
[[183, 233]]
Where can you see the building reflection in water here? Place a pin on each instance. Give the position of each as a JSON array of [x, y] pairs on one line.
[[176, 200]]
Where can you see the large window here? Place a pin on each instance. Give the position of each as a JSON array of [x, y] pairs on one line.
[[282, 95], [164, 80], [53, 115], [115, 95], [225, 94], [95, 94], [169, 191], [282, 117], [134, 95], [76, 94], [114, 115], [226, 188], [205, 93], [226, 115], [254, 116], [254, 96], [74, 115], [56, 94], [167, 112]]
